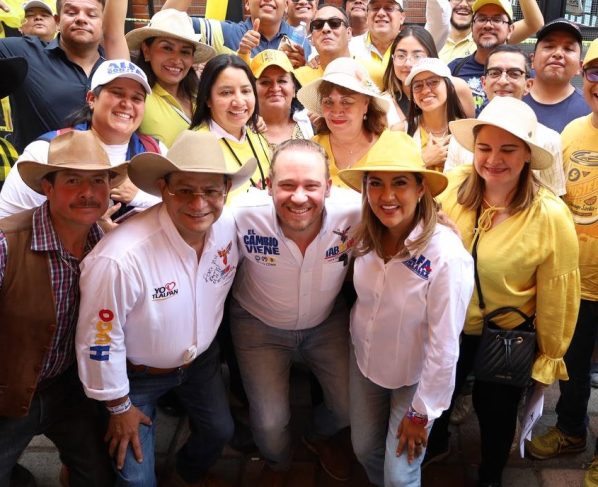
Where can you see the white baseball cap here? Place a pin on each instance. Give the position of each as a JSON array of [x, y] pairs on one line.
[[119, 68]]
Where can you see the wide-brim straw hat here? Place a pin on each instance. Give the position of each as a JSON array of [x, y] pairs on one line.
[[171, 23], [192, 151], [394, 152], [79, 150], [14, 70], [345, 72], [267, 58], [509, 114]]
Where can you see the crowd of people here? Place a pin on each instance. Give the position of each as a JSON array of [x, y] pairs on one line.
[[409, 211]]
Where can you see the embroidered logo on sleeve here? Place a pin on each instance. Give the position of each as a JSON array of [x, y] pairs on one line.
[[222, 268], [100, 351], [164, 292], [420, 265], [342, 251]]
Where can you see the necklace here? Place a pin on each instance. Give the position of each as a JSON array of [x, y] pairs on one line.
[[439, 133]]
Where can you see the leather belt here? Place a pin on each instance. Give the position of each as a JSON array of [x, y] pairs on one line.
[[154, 370]]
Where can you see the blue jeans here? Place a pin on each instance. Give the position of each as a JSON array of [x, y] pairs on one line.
[[572, 406], [376, 413], [201, 390], [265, 355], [60, 411]]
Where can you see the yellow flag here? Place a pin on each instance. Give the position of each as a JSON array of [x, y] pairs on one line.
[[216, 9]]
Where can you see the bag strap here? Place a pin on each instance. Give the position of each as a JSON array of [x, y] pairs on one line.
[[474, 254]]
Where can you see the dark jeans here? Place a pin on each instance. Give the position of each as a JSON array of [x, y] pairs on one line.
[[572, 406], [71, 421], [496, 408]]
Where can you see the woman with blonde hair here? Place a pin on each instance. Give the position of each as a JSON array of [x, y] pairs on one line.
[[413, 280], [525, 253]]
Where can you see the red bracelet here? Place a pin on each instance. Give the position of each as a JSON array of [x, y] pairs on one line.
[[416, 418]]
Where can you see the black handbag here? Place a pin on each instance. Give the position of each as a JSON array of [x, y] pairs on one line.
[[503, 356]]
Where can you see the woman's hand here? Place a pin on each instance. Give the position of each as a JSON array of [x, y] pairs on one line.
[[436, 151], [412, 436]]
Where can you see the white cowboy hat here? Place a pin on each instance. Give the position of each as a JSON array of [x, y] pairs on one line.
[[173, 23], [345, 72], [192, 151], [511, 115]]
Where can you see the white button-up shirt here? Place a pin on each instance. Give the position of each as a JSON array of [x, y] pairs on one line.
[[406, 323], [276, 283], [146, 298]]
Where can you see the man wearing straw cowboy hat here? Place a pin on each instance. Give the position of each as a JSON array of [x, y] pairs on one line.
[[153, 296], [40, 250], [297, 246]]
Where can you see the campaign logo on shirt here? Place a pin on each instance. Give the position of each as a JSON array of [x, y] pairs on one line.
[[420, 265], [263, 248], [100, 350], [164, 292], [221, 269], [342, 251]]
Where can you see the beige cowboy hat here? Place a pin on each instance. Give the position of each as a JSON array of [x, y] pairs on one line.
[[394, 152], [509, 114], [173, 23], [77, 149], [192, 151], [345, 72]]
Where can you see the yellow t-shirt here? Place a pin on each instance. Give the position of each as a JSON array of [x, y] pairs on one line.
[[454, 50], [236, 153], [164, 117], [580, 156], [528, 261]]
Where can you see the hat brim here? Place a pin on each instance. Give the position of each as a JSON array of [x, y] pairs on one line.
[[462, 130], [559, 26], [258, 72], [353, 176], [14, 70], [201, 54], [310, 99], [33, 172], [145, 170]]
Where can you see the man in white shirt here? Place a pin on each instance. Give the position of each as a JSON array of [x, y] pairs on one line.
[[296, 247], [152, 299]]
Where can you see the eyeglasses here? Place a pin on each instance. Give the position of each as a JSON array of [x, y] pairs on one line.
[[401, 58], [213, 196], [591, 74], [333, 22], [514, 74], [388, 8], [432, 83], [494, 21]]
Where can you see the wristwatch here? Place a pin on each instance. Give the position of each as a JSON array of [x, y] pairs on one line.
[[416, 418]]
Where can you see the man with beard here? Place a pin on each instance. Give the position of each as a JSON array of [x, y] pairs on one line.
[[460, 42], [556, 60]]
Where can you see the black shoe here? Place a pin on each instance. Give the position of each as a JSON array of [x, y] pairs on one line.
[[21, 477], [435, 454]]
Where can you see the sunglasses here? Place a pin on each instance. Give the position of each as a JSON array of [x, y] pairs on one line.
[[591, 74], [333, 22], [432, 83]]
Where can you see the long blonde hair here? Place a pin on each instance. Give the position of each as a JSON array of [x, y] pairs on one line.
[[370, 231]]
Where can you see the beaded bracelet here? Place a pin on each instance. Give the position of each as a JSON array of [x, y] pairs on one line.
[[121, 408], [416, 418]]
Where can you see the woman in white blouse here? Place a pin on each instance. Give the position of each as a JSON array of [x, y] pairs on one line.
[[414, 281]]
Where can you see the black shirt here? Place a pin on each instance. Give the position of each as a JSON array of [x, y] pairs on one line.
[[54, 88]]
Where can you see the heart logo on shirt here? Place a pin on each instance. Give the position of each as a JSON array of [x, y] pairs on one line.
[[170, 285]]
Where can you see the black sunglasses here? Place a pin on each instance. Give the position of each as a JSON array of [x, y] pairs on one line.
[[333, 22]]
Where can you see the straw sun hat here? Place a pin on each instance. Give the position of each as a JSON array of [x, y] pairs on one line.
[[345, 72], [509, 114], [171, 23], [192, 151], [394, 152]]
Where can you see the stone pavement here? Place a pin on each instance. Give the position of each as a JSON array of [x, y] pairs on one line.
[[458, 470]]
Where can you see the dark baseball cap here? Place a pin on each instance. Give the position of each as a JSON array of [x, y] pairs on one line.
[[560, 24]]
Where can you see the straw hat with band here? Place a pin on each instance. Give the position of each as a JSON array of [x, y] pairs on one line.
[[192, 151], [79, 150], [171, 23], [267, 58], [509, 114], [504, 4], [396, 153], [345, 72]]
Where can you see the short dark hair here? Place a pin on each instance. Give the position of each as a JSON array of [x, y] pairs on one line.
[[510, 48], [340, 9], [59, 4], [50, 177], [210, 74]]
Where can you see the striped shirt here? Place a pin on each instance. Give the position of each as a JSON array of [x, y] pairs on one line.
[[64, 276]]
